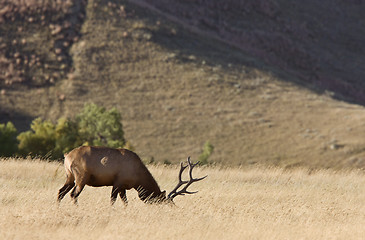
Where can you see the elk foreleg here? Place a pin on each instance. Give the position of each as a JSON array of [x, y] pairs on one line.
[[123, 196], [114, 195], [115, 192]]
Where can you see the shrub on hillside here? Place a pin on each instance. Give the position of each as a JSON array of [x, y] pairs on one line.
[[93, 126], [67, 136], [39, 141], [206, 152], [99, 127], [8, 142]]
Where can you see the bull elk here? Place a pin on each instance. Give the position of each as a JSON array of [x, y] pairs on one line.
[[120, 168]]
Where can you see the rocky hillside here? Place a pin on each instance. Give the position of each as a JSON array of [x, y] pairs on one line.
[[261, 81]]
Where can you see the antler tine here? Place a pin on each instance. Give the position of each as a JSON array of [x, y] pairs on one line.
[[182, 168], [180, 183], [184, 190], [191, 171], [192, 164]]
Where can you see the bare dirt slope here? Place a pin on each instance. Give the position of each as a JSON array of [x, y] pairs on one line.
[[177, 89]]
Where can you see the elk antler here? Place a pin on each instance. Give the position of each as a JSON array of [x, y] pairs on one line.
[[184, 190]]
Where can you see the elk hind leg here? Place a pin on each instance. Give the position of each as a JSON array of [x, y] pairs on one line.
[[76, 192], [80, 184], [66, 187]]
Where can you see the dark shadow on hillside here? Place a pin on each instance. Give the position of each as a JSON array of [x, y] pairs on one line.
[[20, 120], [213, 53], [322, 50]]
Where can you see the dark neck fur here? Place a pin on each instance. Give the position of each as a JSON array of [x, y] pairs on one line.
[[148, 188]]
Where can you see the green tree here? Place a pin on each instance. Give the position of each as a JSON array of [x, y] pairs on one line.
[[8, 142], [67, 136], [40, 140], [93, 126], [100, 127]]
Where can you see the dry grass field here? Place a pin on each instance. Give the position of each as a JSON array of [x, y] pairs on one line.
[[247, 203]]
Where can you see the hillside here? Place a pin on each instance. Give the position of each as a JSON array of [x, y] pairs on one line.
[[178, 83], [320, 42]]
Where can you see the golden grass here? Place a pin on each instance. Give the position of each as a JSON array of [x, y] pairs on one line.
[[257, 203]]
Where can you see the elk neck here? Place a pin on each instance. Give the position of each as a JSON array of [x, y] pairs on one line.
[[148, 187]]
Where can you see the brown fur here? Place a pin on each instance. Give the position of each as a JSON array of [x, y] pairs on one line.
[[103, 166]]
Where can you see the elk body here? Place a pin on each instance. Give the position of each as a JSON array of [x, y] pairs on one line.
[[120, 168]]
